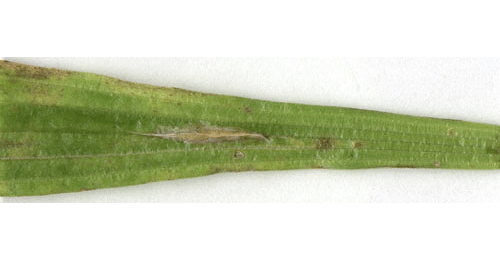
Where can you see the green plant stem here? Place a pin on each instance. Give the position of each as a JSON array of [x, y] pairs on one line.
[[70, 131]]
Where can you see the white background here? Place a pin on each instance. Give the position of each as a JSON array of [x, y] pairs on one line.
[[271, 28], [455, 88]]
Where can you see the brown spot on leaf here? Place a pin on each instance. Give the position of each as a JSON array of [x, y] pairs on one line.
[[357, 145], [8, 144], [246, 109], [324, 143], [200, 134], [238, 155], [29, 71]]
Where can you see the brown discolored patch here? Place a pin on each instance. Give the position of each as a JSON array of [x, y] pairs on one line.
[[9, 144], [357, 145], [29, 71], [451, 132], [238, 155], [246, 109], [324, 143], [437, 164], [200, 134]]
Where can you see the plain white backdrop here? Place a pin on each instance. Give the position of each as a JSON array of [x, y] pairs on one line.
[[454, 88]]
